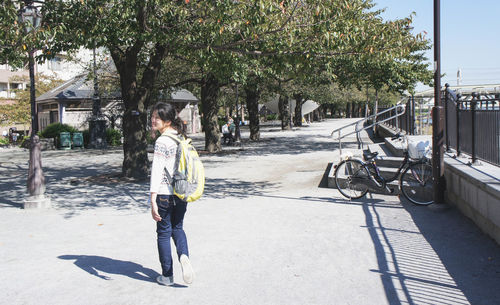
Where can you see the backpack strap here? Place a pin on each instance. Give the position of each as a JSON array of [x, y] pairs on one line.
[[177, 155]]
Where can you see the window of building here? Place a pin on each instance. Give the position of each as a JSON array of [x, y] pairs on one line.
[[16, 86], [55, 64]]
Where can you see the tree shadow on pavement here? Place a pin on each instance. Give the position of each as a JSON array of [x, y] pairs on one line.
[[469, 257], [291, 146], [72, 199], [220, 188], [99, 266], [432, 257]]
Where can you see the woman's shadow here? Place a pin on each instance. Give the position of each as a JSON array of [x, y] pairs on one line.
[[95, 264]]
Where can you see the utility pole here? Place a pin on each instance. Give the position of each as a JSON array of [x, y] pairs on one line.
[[437, 113]]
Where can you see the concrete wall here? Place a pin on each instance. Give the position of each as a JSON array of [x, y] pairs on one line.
[[475, 191]]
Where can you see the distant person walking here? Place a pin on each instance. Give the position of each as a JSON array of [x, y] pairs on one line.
[[166, 208]]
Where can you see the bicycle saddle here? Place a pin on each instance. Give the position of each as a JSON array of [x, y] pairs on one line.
[[369, 156]]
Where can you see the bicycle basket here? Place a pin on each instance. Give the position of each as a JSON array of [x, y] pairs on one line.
[[419, 149]]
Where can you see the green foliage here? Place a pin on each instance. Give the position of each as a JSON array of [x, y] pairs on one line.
[[53, 130], [221, 121], [113, 137], [24, 141], [272, 117], [4, 141], [20, 112]]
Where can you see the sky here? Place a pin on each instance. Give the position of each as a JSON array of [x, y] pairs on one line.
[[470, 36]]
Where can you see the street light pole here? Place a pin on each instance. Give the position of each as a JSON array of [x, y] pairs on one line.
[[437, 113], [30, 19], [97, 123]]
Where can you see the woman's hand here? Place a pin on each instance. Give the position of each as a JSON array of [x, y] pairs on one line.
[[154, 208], [154, 212]]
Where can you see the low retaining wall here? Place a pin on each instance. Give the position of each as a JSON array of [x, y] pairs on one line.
[[475, 190]]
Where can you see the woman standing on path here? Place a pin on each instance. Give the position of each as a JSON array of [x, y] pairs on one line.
[[166, 208]]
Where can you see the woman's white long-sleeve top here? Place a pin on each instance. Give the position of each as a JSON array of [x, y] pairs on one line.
[[163, 157]]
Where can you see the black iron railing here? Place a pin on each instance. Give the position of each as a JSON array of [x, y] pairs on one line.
[[405, 122], [473, 125]]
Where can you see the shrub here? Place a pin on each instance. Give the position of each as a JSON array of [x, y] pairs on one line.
[[221, 121], [53, 130], [113, 137], [4, 141], [271, 117], [25, 141]]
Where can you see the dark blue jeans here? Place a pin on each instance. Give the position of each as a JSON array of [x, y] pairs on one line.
[[171, 210]]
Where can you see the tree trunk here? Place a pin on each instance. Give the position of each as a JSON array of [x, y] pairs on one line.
[[135, 96], [284, 107], [135, 160], [209, 92], [252, 100], [297, 118]]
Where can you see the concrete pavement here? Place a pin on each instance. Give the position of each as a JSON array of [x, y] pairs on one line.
[[264, 233]]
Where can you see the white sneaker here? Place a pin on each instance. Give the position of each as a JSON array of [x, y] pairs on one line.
[[187, 269], [165, 280]]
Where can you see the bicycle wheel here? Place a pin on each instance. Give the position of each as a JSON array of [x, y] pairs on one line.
[[416, 183], [351, 179]]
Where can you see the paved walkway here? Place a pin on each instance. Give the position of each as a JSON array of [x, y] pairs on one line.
[[264, 233]]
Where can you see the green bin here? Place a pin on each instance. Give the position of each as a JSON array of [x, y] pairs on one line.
[[78, 139], [65, 140]]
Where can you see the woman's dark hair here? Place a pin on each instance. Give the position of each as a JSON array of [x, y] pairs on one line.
[[167, 112]]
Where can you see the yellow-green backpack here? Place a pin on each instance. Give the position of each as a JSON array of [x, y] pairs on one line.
[[188, 179]]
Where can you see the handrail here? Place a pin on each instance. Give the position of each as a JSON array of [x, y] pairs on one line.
[[400, 110]]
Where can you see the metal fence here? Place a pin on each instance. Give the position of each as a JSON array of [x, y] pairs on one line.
[[405, 122], [472, 125]]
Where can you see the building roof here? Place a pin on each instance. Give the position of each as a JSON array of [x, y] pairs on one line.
[[77, 88], [81, 88]]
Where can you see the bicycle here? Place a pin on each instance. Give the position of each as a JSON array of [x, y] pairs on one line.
[[353, 177]]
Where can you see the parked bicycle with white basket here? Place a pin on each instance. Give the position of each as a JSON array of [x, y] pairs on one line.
[[354, 177]]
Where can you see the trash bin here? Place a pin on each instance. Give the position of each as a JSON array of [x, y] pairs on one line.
[[65, 140], [78, 140]]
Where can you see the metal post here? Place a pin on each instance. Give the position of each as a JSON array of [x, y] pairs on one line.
[[237, 134], [97, 123], [473, 105], [408, 115], [340, 145], [446, 101], [437, 126], [412, 114], [96, 101], [457, 127], [36, 180]]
